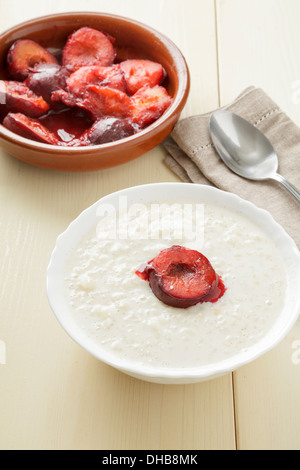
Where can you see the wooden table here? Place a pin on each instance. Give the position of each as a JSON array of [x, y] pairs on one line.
[[54, 395]]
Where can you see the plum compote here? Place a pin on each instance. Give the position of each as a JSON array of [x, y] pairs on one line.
[[88, 98]]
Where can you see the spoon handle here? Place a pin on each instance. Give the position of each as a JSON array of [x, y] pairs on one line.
[[291, 188]]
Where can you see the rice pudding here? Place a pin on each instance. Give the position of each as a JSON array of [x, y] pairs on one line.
[[118, 310]]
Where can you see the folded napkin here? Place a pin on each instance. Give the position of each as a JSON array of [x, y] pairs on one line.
[[192, 156]]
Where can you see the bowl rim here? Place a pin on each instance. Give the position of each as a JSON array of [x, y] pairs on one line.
[[199, 373], [176, 106]]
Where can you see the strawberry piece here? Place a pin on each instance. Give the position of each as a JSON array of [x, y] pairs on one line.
[[111, 77], [181, 277], [138, 73], [86, 47], [148, 104], [29, 128], [24, 54], [16, 97], [43, 79], [107, 129]]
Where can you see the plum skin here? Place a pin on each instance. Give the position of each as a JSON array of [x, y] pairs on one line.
[[157, 287]]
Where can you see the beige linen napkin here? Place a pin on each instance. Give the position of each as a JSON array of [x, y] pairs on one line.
[[192, 157]]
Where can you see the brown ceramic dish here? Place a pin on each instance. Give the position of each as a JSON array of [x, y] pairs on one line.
[[133, 40]]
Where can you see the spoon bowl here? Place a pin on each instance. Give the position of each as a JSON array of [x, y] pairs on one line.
[[245, 149]]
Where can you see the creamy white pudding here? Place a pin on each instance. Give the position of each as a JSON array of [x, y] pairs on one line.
[[120, 313]]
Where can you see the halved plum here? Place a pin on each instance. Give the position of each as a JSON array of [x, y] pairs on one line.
[[104, 101], [16, 97], [44, 79], [88, 46], [24, 54], [181, 277], [98, 101], [111, 77], [29, 128], [141, 72], [148, 104]]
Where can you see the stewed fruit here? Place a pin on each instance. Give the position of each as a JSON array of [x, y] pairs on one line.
[[44, 79], [107, 129], [148, 104], [181, 277], [17, 97], [25, 54], [138, 73], [86, 47], [30, 128], [116, 98]]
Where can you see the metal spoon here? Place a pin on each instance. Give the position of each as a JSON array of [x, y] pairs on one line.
[[245, 150]]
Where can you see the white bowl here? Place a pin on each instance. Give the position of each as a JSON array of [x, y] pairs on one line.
[[184, 193]]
